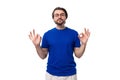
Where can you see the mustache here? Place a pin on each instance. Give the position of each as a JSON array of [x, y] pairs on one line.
[[59, 19]]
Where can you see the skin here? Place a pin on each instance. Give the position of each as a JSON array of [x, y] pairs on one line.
[[59, 18]]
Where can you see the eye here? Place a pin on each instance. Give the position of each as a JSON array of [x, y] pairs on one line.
[[56, 15], [62, 14]]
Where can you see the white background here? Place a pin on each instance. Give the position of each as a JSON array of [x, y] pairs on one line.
[[18, 57]]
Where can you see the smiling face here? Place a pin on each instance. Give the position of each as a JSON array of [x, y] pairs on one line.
[[59, 17]]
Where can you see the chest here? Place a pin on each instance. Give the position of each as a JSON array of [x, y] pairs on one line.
[[60, 40]]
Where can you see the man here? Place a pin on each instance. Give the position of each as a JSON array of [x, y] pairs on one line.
[[60, 43]]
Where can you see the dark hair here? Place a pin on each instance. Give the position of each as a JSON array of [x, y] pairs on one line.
[[59, 8]]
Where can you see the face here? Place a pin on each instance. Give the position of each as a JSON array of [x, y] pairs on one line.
[[59, 17]]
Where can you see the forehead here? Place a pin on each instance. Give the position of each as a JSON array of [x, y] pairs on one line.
[[59, 12]]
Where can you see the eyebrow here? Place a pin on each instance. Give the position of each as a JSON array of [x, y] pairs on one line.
[[60, 13]]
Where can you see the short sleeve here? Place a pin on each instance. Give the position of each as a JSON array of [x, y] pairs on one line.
[[44, 42], [76, 41]]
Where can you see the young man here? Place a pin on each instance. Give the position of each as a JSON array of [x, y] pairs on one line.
[[60, 43]]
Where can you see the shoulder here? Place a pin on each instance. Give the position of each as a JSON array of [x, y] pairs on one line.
[[72, 30], [48, 32]]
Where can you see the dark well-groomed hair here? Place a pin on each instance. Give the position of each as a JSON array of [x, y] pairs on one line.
[[59, 8]]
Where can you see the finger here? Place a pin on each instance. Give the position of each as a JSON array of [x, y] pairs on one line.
[[85, 30], [30, 35], [88, 32], [38, 36], [33, 32], [81, 35]]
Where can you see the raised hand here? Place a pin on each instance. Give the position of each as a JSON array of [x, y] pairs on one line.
[[35, 38], [84, 36]]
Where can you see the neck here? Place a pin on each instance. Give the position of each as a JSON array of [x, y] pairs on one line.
[[60, 27]]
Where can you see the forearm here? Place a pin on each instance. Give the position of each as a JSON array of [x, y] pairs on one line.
[[80, 51], [41, 52]]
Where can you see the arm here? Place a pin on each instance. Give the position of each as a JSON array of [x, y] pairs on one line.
[[36, 39], [83, 38], [79, 51], [42, 52]]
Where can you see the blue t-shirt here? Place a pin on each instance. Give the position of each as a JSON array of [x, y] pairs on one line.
[[61, 44]]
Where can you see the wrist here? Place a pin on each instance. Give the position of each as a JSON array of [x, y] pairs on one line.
[[37, 46], [83, 44]]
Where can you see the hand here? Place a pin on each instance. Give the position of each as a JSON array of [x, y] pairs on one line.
[[84, 36], [36, 39]]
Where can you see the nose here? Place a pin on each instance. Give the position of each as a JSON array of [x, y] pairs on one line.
[[59, 16]]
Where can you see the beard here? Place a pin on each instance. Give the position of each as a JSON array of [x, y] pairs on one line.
[[60, 22]]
